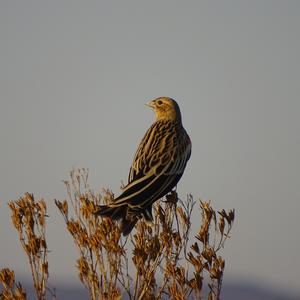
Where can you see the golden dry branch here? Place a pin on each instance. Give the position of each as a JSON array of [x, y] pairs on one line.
[[29, 219], [163, 260], [160, 261], [11, 290]]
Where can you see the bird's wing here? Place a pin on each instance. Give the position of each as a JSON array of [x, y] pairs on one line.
[[157, 166], [146, 152]]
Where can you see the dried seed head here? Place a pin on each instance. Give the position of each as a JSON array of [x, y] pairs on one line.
[[182, 215], [195, 247], [7, 277], [221, 225], [83, 268], [63, 207]]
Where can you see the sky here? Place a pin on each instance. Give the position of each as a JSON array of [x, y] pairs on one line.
[[75, 76]]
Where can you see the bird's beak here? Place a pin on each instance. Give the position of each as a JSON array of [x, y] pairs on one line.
[[150, 104]]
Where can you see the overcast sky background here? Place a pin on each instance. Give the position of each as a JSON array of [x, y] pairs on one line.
[[74, 78]]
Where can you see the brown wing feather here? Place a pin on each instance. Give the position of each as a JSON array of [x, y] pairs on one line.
[[158, 165]]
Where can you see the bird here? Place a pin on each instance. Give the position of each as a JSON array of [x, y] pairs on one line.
[[158, 165]]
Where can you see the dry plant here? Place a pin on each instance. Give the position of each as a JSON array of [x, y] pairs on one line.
[[11, 290], [161, 261], [29, 219]]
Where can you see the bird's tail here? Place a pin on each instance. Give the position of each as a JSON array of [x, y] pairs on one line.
[[128, 224], [120, 212], [114, 213]]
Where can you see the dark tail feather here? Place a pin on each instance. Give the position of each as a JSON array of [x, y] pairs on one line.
[[114, 213], [147, 214], [132, 216], [117, 213], [128, 225], [129, 217]]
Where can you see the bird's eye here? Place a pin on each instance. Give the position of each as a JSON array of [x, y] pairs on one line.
[[159, 102]]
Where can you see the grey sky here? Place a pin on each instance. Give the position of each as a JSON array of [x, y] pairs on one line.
[[75, 76]]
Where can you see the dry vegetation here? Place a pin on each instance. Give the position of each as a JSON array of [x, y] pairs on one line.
[[161, 261]]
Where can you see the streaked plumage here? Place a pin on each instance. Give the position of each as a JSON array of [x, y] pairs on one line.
[[157, 167]]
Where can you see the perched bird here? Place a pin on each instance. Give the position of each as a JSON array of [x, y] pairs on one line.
[[158, 165]]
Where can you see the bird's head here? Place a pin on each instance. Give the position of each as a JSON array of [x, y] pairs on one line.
[[165, 108]]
